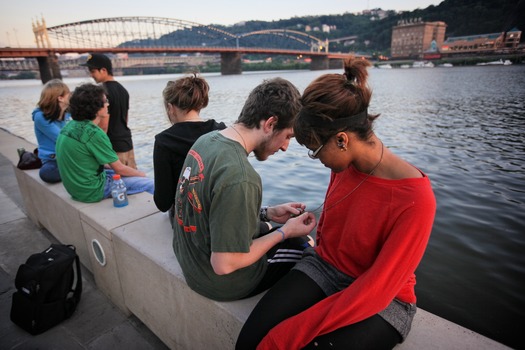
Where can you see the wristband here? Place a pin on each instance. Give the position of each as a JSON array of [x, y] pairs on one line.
[[282, 233], [263, 214]]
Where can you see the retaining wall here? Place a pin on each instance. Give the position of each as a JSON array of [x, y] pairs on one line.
[[130, 254]]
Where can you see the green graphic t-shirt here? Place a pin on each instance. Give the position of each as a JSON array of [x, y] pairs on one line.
[[82, 149], [217, 206]]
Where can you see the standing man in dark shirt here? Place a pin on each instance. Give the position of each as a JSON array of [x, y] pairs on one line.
[[116, 126]]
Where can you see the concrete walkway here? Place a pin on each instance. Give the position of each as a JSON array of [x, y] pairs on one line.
[[96, 324]]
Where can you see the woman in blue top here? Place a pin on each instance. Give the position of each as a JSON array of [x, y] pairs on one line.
[[49, 117]]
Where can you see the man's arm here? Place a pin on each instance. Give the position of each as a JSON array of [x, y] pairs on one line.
[[125, 170], [226, 263]]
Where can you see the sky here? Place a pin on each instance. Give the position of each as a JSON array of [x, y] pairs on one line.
[[16, 17]]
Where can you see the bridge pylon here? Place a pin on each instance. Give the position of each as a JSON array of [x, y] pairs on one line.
[[41, 37], [320, 63], [231, 63], [48, 66]]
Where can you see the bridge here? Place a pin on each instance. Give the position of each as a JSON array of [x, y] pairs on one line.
[[168, 37]]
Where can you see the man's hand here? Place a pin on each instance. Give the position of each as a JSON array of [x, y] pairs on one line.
[[299, 226], [282, 212]]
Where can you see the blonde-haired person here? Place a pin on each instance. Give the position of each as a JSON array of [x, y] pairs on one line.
[[184, 98], [49, 118], [355, 290]]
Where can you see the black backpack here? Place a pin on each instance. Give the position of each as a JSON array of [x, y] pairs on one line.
[[48, 289]]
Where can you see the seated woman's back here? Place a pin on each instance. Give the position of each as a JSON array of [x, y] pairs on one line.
[[183, 100], [49, 118]]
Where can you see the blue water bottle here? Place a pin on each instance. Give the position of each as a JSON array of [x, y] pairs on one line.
[[119, 192]]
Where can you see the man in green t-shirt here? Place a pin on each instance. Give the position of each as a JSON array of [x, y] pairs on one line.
[[217, 236], [83, 150]]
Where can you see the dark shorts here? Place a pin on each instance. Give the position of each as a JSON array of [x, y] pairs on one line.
[[398, 314]]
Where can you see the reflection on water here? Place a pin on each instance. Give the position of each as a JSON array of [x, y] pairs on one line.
[[464, 127]]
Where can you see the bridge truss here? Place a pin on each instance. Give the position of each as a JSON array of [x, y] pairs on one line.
[[132, 32], [307, 40]]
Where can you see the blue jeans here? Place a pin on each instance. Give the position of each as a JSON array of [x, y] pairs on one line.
[[49, 171], [134, 184]]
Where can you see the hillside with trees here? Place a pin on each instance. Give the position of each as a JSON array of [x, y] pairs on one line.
[[374, 28], [371, 30]]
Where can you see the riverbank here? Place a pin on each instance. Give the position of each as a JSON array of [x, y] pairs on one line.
[[455, 61], [278, 64]]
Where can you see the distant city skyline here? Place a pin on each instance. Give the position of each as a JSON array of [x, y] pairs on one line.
[[16, 18]]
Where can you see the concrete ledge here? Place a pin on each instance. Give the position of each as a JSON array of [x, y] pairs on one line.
[[21, 178], [10, 143], [50, 206], [156, 292], [72, 222], [141, 274], [433, 332], [97, 222]]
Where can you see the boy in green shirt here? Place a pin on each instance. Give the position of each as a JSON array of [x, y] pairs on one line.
[[83, 150]]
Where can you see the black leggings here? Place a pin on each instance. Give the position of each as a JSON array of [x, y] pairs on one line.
[[295, 293]]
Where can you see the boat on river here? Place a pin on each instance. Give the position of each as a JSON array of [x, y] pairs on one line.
[[499, 62], [422, 64]]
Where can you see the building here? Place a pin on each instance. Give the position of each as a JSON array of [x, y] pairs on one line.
[[376, 14], [412, 38], [483, 43]]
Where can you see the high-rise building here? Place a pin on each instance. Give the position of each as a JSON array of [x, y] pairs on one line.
[[412, 38]]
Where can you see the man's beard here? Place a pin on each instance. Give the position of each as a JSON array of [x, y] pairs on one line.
[[261, 151]]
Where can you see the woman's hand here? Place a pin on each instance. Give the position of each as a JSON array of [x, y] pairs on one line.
[[299, 226]]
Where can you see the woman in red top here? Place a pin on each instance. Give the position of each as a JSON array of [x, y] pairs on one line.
[[355, 289]]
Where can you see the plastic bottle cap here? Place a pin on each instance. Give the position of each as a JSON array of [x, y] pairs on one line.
[[116, 177]]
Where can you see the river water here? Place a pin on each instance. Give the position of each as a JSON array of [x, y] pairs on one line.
[[463, 126]]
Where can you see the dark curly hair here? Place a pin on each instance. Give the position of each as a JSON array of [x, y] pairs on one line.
[[275, 97], [86, 101]]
